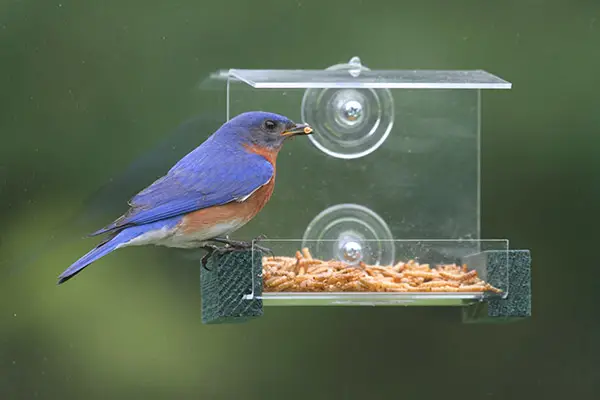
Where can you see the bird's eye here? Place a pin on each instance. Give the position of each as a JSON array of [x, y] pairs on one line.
[[270, 125]]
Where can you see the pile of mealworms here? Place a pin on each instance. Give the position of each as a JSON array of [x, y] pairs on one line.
[[302, 273]]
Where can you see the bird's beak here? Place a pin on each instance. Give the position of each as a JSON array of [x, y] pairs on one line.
[[298, 129]]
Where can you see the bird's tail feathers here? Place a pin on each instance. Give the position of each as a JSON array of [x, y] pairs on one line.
[[110, 244]]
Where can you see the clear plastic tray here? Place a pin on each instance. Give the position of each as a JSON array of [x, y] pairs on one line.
[[424, 272]]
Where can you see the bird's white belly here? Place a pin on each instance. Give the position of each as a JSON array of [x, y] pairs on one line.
[[194, 239], [175, 237]]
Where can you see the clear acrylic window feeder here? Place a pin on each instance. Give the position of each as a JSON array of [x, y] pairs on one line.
[[412, 137]]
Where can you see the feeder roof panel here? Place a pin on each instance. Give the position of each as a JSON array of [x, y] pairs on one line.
[[375, 79]]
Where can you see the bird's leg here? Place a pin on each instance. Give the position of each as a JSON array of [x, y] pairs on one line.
[[239, 245], [262, 248], [233, 243]]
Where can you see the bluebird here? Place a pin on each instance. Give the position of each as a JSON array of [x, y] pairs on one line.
[[211, 192]]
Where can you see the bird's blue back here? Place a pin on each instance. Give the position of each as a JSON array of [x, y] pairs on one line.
[[217, 172]]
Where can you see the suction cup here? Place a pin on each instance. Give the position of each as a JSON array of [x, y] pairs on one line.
[[349, 122], [350, 233]]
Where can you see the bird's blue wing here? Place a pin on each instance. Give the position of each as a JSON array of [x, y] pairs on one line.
[[199, 180]]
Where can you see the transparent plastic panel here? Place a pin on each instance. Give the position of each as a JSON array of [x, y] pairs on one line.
[[416, 165], [422, 272], [374, 79]]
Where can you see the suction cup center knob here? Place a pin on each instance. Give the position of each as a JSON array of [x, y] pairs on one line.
[[349, 108], [351, 252], [352, 110]]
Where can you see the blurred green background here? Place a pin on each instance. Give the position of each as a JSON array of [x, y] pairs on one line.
[[90, 87]]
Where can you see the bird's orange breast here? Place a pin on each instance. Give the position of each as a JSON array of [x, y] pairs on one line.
[[268, 154], [243, 211]]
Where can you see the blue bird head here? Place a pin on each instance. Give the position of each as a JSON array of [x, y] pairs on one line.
[[262, 129]]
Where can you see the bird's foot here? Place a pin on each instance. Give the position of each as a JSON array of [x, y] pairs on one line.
[[240, 245], [259, 238], [213, 249]]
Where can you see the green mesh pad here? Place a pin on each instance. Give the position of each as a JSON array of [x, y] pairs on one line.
[[517, 305], [223, 286]]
